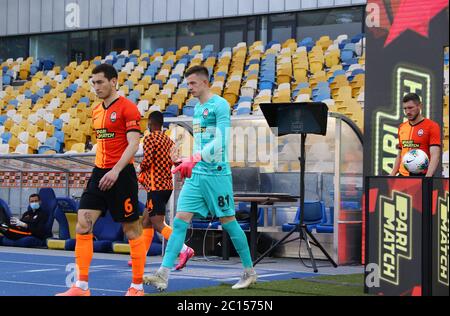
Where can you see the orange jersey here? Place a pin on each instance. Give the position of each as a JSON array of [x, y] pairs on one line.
[[111, 126], [420, 136], [157, 164]]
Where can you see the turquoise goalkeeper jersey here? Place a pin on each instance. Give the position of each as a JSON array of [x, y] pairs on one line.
[[211, 125]]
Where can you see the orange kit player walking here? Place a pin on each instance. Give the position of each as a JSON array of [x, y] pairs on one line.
[[156, 177], [113, 185], [417, 132]]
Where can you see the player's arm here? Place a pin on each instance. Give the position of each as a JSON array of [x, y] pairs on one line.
[[110, 178], [397, 162], [435, 154], [147, 161], [435, 149]]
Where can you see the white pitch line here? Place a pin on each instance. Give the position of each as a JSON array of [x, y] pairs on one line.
[[34, 263], [259, 276], [39, 270], [54, 285]]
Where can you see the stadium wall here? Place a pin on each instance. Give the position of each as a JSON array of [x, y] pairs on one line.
[[20, 17]]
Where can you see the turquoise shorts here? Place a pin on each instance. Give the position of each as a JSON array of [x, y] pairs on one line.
[[207, 194]]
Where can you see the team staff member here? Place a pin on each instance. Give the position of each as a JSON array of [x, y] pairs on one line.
[[417, 132], [156, 177], [113, 185], [32, 222]]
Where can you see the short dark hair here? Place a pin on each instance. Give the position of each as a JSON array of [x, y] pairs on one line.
[[108, 70], [411, 97], [199, 70], [156, 117], [34, 195]]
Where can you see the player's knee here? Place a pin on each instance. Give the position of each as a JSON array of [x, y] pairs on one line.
[[158, 222], [83, 228], [146, 222], [132, 230], [227, 219]]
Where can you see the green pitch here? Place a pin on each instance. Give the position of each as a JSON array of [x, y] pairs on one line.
[[351, 285]]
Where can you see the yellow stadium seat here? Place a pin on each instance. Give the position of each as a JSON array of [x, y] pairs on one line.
[[75, 137], [33, 143], [78, 147]]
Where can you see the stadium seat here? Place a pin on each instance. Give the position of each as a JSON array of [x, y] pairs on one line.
[[314, 214], [328, 225], [49, 206]]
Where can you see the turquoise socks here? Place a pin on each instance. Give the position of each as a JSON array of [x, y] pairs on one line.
[[175, 243], [240, 243]]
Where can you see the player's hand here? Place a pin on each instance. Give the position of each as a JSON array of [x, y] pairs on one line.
[[108, 180], [17, 222], [186, 166]]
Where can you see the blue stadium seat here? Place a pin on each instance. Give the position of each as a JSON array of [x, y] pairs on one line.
[[6, 137], [48, 64], [328, 226], [85, 100], [58, 123], [314, 214], [243, 111], [14, 102], [59, 135], [51, 143], [188, 111], [172, 109], [3, 119], [7, 79], [67, 204], [6, 208]]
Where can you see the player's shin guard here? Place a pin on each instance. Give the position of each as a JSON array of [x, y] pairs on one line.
[[175, 242], [240, 243], [147, 234], [84, 251], [138, 255]]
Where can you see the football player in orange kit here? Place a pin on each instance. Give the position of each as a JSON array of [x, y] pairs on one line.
[[113, 185], [420, 133]]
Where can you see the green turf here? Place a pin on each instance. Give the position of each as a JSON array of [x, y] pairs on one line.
[[348, 285]]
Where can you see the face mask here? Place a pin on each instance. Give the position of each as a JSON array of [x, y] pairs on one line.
[[35, 205]]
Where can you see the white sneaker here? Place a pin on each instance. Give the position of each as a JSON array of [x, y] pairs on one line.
[[248, 278], [157, 280]]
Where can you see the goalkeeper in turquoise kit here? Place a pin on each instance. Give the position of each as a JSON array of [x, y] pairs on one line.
[[208, 186]]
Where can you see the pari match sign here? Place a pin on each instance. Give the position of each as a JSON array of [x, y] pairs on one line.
[[408, 236], [395, 231]]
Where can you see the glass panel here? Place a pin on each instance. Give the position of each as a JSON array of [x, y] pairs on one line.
[[95, 50], [329, 22], [351, 187], [50, 46], [251, 30], [135, 34], [114, 40], [79, 46], [159, 36], [199, 33], [232, 37], [286, 17], [281, 33], [233, 31], [14, 47]]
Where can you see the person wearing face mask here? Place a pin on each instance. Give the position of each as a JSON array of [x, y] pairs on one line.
[[32, 222]]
